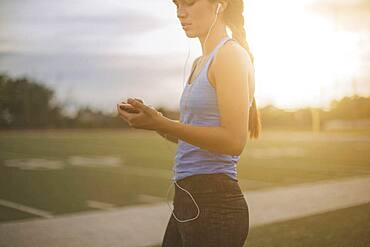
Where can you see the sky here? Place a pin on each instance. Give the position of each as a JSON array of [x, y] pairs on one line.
[[97, 53]]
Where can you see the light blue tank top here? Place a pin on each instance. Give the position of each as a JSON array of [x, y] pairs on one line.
[[198, 106]]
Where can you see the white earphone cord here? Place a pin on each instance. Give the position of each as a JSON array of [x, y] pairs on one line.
[[198, 210]]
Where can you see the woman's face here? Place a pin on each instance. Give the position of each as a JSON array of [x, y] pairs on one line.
[[196, 16]]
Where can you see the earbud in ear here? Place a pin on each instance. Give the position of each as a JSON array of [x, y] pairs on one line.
[[219, 5]]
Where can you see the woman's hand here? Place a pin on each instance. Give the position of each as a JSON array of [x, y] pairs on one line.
[[147, 118]]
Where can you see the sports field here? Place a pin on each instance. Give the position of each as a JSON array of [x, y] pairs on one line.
[[55, 172]]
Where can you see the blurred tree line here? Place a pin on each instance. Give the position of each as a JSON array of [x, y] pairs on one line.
[[25, 103]]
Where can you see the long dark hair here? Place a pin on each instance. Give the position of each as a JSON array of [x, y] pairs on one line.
[[234, 19]]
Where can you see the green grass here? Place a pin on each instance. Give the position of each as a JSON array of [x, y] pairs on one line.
[[327, 155], [348, 227]]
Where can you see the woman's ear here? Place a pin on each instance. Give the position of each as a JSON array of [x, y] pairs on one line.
[[223, 6]]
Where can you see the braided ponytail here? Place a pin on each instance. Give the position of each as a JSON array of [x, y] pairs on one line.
[[233, 17]]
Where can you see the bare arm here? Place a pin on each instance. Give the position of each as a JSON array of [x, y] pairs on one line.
[[171, 138]]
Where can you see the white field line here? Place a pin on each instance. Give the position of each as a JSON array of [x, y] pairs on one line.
[[144, 225], [26, 209], [99, 205]]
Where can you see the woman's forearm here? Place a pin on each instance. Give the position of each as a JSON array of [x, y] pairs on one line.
[[215, 139], [168, 137], [171, 138]]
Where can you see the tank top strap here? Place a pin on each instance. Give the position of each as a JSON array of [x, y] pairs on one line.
[[213, 53]]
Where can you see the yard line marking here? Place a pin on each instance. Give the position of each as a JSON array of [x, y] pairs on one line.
[[99, 205], [26, 209], [95, 161], [35, 164]]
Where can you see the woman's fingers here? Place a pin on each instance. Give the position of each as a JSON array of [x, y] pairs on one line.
[[123, 113], [129, 108], [124, 102], [139, 100], [137, 114], [131, 118], [140, 106]]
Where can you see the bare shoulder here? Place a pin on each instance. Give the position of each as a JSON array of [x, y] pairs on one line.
[[230, 54]]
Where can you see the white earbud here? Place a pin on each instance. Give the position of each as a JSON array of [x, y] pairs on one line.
[[219, 5]]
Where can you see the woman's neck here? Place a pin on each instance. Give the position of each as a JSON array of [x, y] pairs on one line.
[[216, 34]]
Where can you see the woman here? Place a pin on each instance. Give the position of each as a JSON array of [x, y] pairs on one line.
[[217, 109]]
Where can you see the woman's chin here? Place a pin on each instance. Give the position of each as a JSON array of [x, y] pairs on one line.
[[190, 34]]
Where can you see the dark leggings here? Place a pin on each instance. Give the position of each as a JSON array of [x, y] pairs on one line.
[[224, 215]]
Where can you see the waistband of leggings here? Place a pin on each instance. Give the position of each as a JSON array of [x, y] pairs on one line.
[[217, 181]]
